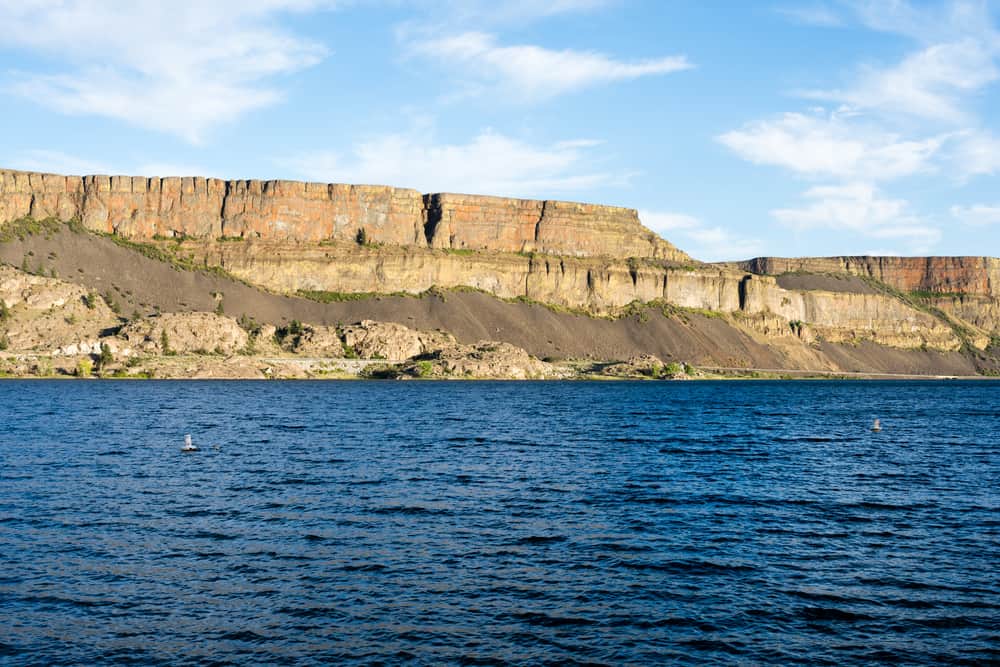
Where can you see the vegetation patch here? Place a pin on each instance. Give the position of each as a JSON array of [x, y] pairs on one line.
[[323, 296], [22, 228]]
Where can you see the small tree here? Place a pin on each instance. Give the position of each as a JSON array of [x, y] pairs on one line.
[[164, 342], [90, 300], [219, 310], [4, 341], [4, 311], [105, 358]]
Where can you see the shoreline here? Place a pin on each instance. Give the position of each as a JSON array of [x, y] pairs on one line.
[[336, 370]]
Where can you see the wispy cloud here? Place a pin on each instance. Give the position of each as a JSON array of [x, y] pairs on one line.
[[926, 22], [916, 115], [826, 145], [182, 67], [975, 153], [506, 11], [977, 214], [706, 242], [56, 162], [530, 73], [491, 163], [930, 83], [821, 15], [862, 209]]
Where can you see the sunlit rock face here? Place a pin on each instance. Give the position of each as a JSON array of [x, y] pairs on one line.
[[146, 208]]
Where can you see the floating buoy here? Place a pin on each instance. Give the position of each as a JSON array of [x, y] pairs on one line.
[[188, 445], [877, 426]]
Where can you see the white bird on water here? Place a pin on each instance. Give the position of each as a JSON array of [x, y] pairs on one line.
[[877, 426], [188, 445]]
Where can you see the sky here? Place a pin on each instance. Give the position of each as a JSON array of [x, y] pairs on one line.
[[738, 129]]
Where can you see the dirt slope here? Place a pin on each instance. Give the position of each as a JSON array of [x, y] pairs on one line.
[[140, 284]]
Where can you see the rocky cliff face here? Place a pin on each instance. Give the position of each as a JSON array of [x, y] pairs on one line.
[[292, 237], [291, 211], [600, 286], [944, 275]]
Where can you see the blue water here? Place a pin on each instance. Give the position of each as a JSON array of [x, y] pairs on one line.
[[480, 523]]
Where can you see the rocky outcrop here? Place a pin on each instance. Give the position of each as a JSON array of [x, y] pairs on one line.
[[645, 366], [482, 360], [598, 285], [386, 340], [292, 211], [49, 315], [185, 333], [944, 275], [846, 317]]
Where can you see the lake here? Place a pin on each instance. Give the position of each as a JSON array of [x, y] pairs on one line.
[[490, 523]]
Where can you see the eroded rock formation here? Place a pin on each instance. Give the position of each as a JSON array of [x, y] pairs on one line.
[[205, 208], [317, 239], [939, 275]]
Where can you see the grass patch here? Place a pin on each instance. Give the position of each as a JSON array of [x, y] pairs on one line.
[[926, 294], [641, 310], [22, 228], [323, 296], [464, 252]]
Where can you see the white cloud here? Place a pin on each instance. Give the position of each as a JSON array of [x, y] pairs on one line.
[[828, 145], [530, 73], [707, 243], [975, 153], [181, 67], [977, 214], [501, 11], [860, 208], [930, 83], [815, 15], [929, 23], [491, 163], [664, 223]]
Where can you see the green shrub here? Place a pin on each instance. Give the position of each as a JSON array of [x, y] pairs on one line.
[[84, 367], [290, 335], [249, 325], [424, 368], [105, 358], [4, 311], [112, 304], [90, 300]]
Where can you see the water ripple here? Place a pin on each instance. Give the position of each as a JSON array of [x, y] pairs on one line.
[[498, 523]]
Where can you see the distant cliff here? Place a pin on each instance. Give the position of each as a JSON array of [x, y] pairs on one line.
[[933, 275], [146, 208], [340, 242]]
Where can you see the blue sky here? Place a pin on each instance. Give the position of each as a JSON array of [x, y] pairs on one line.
[[799, 127]]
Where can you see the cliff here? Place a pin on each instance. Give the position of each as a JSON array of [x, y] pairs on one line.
[[294, 239], [936, 275], [291, 211]]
